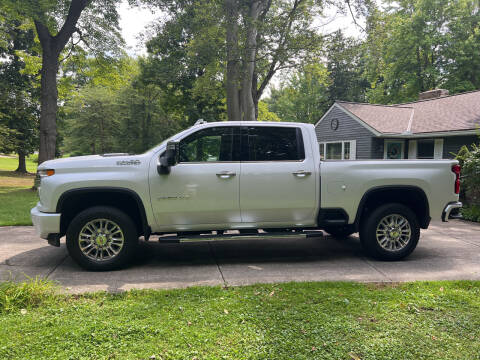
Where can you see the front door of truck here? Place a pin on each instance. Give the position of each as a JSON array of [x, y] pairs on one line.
[[203, 188], [278, 179]]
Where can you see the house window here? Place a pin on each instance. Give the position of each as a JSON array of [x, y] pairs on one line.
[[425, 149], [338, 150], [393, 149]]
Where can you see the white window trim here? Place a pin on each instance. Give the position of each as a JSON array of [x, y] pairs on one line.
[[386, 142], [353, 148]]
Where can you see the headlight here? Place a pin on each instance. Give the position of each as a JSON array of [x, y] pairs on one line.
[[45, 172]]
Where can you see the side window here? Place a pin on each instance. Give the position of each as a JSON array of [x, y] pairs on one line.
[[274, 143], [207, 145]]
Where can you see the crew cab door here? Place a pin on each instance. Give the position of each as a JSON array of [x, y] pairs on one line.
[[278, 180], [203, 188]]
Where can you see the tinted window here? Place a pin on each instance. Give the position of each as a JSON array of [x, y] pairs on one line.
[[212, 144], [425, 149], [275, 143]]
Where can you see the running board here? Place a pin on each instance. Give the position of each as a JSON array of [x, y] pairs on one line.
[[219, 237]]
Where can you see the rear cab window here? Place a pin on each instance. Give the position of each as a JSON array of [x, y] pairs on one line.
[[272, 143]]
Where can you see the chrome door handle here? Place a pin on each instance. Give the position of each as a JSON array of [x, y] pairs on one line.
[[301, 173], [226, 174]]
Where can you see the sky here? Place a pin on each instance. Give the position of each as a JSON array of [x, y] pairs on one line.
[[134, 21]]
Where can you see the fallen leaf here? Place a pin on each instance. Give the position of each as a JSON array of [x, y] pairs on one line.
[[23, 311], [153, 357], [225, 311], [441, 289], [189, 323], [354, 356], [314, 348], [272, 293]]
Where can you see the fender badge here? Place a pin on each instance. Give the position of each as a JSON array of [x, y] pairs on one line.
[[129, 162]]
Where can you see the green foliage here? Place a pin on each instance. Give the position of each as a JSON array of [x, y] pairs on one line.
[[419, 45], [25, 295], [304, 97], [114, 110], [264, 114], [329, 320], [469, 160], [18, 91], [471, 213]]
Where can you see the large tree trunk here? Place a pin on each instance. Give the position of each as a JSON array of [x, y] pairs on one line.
[[52, 46], [249, 61], [22, 166], [48, 103], [233, 60]]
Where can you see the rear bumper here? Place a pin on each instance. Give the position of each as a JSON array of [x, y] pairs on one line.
[[448, 209], [45, 223]]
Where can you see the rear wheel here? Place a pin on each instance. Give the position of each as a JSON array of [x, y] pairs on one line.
[[102, 238], [390, 232]]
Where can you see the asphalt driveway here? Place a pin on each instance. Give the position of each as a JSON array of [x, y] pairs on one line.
[[446, 251]]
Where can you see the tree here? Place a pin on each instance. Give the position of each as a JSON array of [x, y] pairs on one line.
[[419, 45], [18, 94], [241, 44], [304, 97], [345, 64], [57, 23]]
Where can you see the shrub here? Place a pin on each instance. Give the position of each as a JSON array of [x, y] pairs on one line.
[[470, 161], [471, 213]]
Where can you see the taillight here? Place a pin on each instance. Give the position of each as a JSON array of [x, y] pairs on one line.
[[456, 170]]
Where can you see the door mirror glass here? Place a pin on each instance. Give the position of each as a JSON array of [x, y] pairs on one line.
[[169, 158]]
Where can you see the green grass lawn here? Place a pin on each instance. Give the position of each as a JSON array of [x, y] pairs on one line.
[[16, 196], [10, 163], [437, 320]]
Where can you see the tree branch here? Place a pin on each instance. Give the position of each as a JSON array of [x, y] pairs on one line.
[[353, 16], [69, 27]]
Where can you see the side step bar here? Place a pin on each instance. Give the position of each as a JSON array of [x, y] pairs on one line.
[[253, 236]]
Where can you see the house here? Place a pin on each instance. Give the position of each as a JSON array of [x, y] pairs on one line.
[[434, 127]]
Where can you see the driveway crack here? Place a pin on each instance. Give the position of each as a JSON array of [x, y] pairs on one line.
[[212, 251], [56, 266], [369, 263]]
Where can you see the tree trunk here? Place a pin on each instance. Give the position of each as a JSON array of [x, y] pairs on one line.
[[52, 46], [22, 166], [48, 103], [249, 61], [233, 60]]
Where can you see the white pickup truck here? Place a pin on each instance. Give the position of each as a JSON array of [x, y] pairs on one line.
[[258, 178]]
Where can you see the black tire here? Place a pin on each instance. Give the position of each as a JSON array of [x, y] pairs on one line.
[[339, 232], [125, 252], [368, 232]]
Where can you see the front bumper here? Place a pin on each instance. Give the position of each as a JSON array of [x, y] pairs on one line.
[[45, 223], [448, 209]]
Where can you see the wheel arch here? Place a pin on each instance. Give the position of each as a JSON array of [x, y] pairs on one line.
[[73, 201], [409, 195]]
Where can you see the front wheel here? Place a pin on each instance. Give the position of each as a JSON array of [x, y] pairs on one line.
[[102, 238], [390, 232]]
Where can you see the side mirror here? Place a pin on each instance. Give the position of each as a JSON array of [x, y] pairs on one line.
[[169, 158]]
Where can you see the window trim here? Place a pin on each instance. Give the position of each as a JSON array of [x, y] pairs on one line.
[[353, 149]]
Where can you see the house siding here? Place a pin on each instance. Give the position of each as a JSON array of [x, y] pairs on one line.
[[348, 129]]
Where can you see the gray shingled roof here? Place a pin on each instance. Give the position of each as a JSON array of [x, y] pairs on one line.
[[449, 113]]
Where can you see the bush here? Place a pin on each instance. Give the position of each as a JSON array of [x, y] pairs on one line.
[[24, 295], [470, 161], [471, 213]]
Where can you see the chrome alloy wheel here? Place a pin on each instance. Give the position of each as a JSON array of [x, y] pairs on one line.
[[393, 232], [101, 239]]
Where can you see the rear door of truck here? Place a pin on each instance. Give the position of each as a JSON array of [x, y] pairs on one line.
[[277, 182]]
